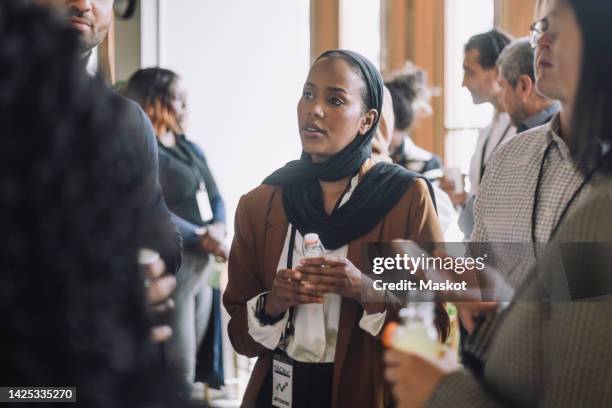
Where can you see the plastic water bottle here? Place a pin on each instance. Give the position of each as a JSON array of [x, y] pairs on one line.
[[417, 333], [312, 246]]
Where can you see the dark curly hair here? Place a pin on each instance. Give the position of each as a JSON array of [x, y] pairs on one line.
[[71, 295]]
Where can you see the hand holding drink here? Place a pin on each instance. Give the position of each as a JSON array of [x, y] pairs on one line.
[[159, 288], [417, 333]]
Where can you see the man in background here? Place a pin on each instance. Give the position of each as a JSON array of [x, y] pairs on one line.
[[527, 108], [480, 78]]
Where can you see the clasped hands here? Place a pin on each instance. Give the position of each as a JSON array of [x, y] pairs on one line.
[[310, 280]]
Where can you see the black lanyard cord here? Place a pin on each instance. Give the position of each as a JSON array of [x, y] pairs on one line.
[[188, 159], [289, 329], [568, 205], [483, 166]]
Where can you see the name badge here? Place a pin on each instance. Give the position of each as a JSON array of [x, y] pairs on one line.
[[204, 203], [282, 381]]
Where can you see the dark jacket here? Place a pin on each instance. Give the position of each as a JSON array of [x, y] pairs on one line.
[[181, 170], [159, 231]]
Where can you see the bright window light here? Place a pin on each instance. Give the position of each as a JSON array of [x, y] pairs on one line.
[[360, 28], [463, 119]]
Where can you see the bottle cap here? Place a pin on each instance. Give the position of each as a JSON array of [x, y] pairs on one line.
[[311, 238], [387, 337], [147, 256]]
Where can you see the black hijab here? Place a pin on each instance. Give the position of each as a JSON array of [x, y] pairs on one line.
[[375, 195]]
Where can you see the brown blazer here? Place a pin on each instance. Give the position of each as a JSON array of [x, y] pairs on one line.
[[260, 231]]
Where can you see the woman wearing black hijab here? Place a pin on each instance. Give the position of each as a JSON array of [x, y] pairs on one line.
[[338, 192]]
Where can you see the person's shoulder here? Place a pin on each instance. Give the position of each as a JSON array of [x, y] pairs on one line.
[[417, 187], [258, 206], [124, 102], [592, 219], [131, 121], [385, 170], [131, 111], [521, 146], [194, 147], [527, 140], [260, 196]]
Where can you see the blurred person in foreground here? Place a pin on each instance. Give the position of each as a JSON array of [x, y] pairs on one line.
[[532, 182], [193, 197], [71, 292], [552, 346], [91, 19]]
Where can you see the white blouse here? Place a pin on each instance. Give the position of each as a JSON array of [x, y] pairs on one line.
[[315, 325]]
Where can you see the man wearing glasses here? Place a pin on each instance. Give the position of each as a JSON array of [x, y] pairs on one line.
[[530, 185]]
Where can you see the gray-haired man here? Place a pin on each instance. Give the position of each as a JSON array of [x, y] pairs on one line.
[[525, 105]]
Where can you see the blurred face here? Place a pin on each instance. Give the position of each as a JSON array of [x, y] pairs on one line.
[[331, 109], [91, 18], [179, 102], [482, 83], [567, 50], [558, 53]]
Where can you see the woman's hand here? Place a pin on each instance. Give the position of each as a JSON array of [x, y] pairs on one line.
[[288, 289], [414, 378], [332, 275]]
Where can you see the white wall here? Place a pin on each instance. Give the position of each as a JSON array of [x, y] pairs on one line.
[[462, 117], [127, 46], [244, 63], [360, 28]]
